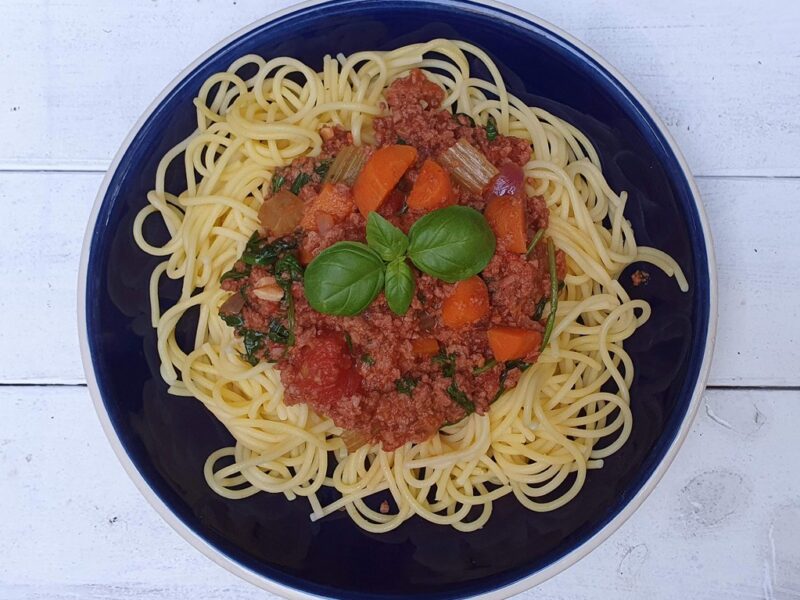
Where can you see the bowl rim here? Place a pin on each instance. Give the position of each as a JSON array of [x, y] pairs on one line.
[[515, 587]]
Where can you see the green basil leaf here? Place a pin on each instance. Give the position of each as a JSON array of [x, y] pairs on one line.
[[344, 279], [452, 243], [399, 286], [384, 238]]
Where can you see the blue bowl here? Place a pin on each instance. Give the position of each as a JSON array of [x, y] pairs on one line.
[[163, 441]]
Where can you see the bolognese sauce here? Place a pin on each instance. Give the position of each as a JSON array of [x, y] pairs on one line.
[[385, 374]]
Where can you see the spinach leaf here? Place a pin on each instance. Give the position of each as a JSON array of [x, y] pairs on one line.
[[235, 321], [344, 279], [278, 333], [384, 238], [259, 252], [287, 269], [406, 384], [507, 367], [460, 398], [491, 128], [299, 182], [448, 362], [487, 365], [399, 286], [452, 243], [234, 274], [322, 168], [367, 359], [277, 182], [253, 343], [457, 395]]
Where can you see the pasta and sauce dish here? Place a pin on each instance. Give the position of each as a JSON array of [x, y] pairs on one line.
[[406, 284]]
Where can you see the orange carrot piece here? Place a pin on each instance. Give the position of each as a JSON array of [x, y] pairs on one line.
[[379, 176], [432, 189], [509, 343], [333, 199], [468, 303], [506, 216], [426, 346]]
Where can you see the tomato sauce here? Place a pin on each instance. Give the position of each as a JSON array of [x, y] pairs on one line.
[[396, 379]]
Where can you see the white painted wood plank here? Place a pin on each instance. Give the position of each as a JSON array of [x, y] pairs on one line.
[[754, 222], [724, 75], [723, 524]]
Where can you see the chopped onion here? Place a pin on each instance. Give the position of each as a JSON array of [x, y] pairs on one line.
[[347, 165], [281, 213], [509, 181], [324, 222], [468, 166]]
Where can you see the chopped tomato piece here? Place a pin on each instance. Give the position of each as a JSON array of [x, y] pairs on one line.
[[326, 371]]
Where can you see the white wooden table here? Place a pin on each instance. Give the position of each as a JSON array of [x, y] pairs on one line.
[[725, 76]]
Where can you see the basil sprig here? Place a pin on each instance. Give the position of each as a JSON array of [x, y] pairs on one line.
[[451, 244], [388, 241]]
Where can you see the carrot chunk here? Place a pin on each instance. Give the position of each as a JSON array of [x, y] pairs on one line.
[[506, 216], [509, 343], [426, 346], [468, 303], [379, 176], [432, 189]]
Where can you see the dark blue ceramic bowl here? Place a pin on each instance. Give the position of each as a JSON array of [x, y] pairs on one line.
[[163, 441]]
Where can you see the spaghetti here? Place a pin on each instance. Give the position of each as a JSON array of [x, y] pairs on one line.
[[537, 441]]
